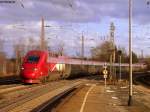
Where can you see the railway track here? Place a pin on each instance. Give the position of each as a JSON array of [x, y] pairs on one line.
[[11, 88], [8, 86], [10, 94], [143, 79], [10, 80], [51, 104], [56, 102], [118, 95], [44, 100], [27, 95]]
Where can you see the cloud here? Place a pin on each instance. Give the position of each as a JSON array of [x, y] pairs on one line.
[[73, 10], [18, 22]]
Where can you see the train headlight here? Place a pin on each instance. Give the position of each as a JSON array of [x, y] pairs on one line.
[[35, 69], [22, 68]]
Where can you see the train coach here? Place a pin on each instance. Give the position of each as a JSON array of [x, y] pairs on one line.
[[38, 67]]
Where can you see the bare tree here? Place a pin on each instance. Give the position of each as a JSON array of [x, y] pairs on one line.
[[1, 45], [78, 48], [18, 56], [20, 52], [60, 48], [31, 44], [78, 54], [3, 62], [102, 51], [2, 58]]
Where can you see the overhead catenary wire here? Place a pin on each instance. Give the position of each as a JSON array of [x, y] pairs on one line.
[[21, 3]]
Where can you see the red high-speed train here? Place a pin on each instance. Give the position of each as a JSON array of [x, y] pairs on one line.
[[38, 67]]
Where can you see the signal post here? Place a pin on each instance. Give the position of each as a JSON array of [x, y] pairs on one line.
[[105, 73]]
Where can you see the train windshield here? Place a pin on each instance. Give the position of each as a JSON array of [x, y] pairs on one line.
[[32, 59]]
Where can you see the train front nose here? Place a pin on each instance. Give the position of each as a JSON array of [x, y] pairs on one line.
[[29, 76], [28, 73]]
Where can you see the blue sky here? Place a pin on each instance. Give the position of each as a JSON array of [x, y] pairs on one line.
[[70, 18]]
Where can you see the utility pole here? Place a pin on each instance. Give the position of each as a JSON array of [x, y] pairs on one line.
[[112, 30], [42, 45], [142, 56], [110, 75], [119, 60], [82, 49], [130, 54], [120, 66]]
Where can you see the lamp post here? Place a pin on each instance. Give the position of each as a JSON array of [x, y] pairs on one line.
[[130, 54]]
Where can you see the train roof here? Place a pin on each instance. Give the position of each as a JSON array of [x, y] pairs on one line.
[[67, 60], [87, 62]]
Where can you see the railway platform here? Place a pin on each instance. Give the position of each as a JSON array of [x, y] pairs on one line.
[[84, 95], [95, 97]]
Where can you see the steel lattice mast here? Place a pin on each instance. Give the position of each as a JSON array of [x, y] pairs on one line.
[[42, 37]]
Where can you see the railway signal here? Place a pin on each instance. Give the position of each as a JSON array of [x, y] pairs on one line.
[[105, 73], [105, 65]]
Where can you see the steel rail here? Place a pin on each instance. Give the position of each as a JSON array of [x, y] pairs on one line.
[[142, 79], [30, 97]]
